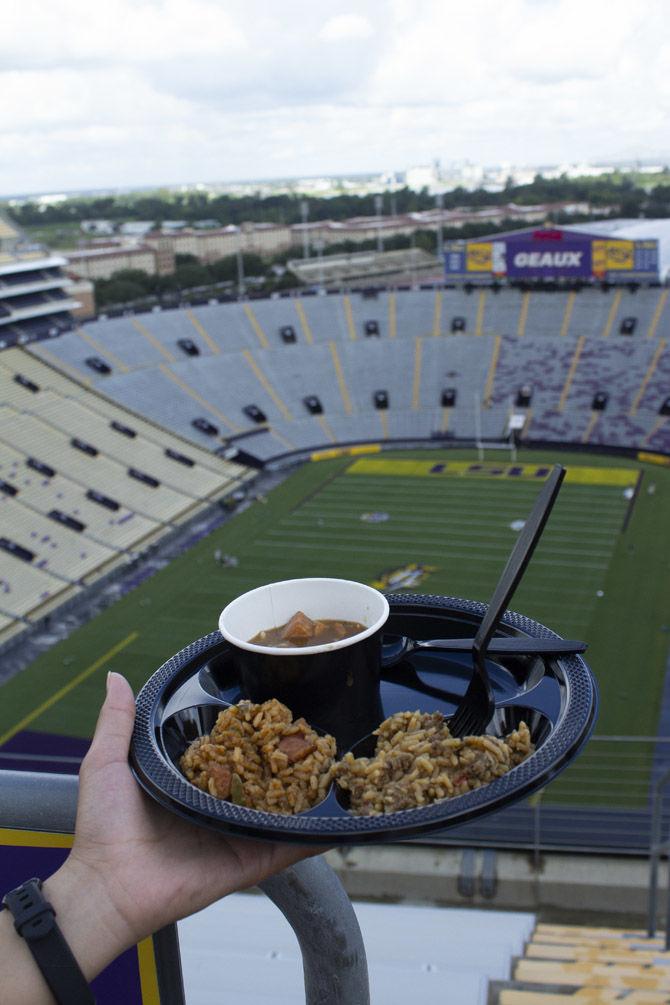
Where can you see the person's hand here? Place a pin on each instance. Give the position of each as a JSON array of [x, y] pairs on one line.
[[143, 866]]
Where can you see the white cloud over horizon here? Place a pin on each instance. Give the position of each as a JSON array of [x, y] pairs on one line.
[[126, 93]]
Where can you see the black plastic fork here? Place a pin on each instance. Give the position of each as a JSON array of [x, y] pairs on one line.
[[476, 707]]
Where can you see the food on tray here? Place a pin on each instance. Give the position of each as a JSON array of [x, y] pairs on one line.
[[258, 756], [417, 761], [300, 630]]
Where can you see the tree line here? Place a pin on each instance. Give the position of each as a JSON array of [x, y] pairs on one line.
[[630, 199]]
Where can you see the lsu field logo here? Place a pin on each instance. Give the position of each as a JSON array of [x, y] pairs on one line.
[[404, 578]]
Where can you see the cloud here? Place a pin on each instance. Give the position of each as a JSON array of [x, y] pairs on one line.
[[345, 27], [126, 92]]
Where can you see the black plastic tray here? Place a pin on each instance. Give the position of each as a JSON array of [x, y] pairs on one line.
[[557, 697]]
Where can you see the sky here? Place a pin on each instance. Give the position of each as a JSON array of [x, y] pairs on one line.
[[134, 93]]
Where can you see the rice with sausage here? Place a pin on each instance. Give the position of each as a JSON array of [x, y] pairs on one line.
[[417, 761], [259, 756]]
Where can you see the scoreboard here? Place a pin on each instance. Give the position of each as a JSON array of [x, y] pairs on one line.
[[552, 254]]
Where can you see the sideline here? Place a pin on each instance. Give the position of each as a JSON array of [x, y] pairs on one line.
[[27, 719]]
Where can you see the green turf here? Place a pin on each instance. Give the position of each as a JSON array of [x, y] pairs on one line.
[[310, 525]]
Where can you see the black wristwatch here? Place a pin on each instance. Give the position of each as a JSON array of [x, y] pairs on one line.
[[34, 920]]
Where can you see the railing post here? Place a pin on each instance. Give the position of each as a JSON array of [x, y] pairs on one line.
[[656, 848], [654, 855], [309, 894]]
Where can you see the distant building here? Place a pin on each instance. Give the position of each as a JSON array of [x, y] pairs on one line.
[[102, 228], [103, 262], [82, 291], [136, 228], [36, 297], [408, 265], [210, 244], [156, 251]]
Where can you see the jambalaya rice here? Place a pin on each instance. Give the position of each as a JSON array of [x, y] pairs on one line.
[[257, 756], [417, 761]]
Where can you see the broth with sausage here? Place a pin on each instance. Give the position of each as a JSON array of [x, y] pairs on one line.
[[303, 631]]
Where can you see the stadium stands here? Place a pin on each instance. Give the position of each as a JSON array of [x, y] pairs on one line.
[[571, 964], [566, 346], [427, 953], [34, 297], [84, 485]]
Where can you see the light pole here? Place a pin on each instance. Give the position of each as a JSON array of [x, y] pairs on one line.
[[304, 212], [240, 272], [318, 247], [439, 202], [478, 425], [379, 202]]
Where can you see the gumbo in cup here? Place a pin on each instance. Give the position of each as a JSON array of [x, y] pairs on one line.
[[334, 685]]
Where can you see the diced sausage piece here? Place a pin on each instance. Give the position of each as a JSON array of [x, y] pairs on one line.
[[296, 747], [299, 628], [221, 776]]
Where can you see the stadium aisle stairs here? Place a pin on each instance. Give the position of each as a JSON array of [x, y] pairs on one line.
[[580, 965], [432, 955]]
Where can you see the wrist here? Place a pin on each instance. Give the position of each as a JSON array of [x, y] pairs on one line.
[[93, 929]]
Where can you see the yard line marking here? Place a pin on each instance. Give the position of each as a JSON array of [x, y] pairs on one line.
[[75, 682]]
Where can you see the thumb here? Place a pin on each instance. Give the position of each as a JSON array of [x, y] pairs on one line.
[[114, 728]]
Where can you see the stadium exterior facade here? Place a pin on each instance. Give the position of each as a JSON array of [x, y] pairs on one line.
[[35, 295]]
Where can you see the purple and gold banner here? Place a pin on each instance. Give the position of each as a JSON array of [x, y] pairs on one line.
[[552, 254], [558, 254]]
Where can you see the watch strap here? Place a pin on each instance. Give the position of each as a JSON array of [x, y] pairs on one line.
[[35, 922]]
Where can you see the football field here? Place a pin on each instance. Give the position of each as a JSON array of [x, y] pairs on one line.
[[424, 521]]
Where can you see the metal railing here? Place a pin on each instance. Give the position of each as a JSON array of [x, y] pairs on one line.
[[602, 804], [308, 894], [658, 848]]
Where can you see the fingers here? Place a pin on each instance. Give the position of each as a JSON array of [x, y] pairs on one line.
[[111, 739]]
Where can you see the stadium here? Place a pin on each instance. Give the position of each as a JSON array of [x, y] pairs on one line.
[[154, 466]]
